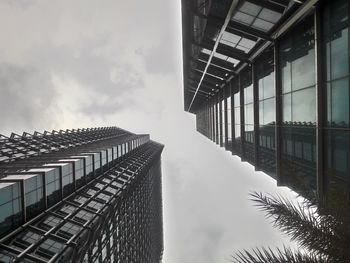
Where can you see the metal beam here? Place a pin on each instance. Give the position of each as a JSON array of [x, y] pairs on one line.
[[239, 29], [217, 61], [214, 76], [269, 5], [299, 14], [224, 49], [213, 69], [209, 78], [227, 20], [249, 30]]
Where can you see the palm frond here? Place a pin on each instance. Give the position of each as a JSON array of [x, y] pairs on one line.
[[324, 235], [267, 255]]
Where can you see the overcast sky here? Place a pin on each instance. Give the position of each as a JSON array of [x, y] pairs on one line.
[[73, 64]]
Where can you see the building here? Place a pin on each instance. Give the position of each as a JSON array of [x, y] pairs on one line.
[[86, 195], [268, 80]]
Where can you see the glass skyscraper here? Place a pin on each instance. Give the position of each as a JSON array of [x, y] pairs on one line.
[[86, 195], [269, 81]]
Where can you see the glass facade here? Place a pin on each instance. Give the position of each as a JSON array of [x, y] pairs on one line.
[[67, 179], [113, 222], [267, 114], [297, 54], [10, 206], [223, 137], [34, 195], [337, 135], [247, 85], [229, 123], [55, 173], [237, 109], [289, 87], [53, 187]]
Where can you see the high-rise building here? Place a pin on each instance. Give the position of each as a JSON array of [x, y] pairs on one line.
[[86, 195], [268, 80]]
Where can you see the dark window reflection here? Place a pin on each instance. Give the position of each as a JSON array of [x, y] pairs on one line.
[[297, 53], [246, 82], [337, 135], [267, 114], [336, 35]]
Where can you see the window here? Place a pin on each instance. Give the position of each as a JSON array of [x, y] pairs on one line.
[[336, 42], [34, 195], [67, 179], [297, 54], [53, 186], [336, 35], [229, 120], [267, 113], [10, 206], [223, 137], [237, 109]]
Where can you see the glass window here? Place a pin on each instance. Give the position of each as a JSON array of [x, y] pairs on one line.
[[10, 206], [267, 86], [303, 70], [109, 155], [237, 115], [104, 157], [115, 153], [67, 179], [229, 121], [97, 160], [223, 121], [53, 186], [304, 105], [248, 94], [297, 54], [338, 153], [267, 112], [119, 150], [338, 49], [34, 195]]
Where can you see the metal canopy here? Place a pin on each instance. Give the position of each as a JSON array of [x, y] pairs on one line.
[[220, 39]]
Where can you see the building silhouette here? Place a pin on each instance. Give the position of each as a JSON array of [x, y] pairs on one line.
[[86, 195], [268, 80]]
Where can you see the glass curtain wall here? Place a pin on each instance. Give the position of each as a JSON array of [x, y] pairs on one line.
[[229, 123], [337, 134], [237, 121], [215, 121], [267, 113], [246, 82], [10, 205], [223, 120], [297, 54]]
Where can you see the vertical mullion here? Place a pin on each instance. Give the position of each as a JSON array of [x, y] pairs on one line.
[[220, 117], [227, 88], [278, 97], [217, 119], [241, 99], [320, 105], [233, 121], [256, 115]]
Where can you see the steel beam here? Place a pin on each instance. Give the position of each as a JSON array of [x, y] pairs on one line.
[[227, 20]]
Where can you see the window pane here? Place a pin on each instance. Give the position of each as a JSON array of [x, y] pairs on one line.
[[339, 102], [304, 105], [339, 54], [303, 71], [287, 107]]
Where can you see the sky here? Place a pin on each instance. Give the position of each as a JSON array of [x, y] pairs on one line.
[[88, 63]]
